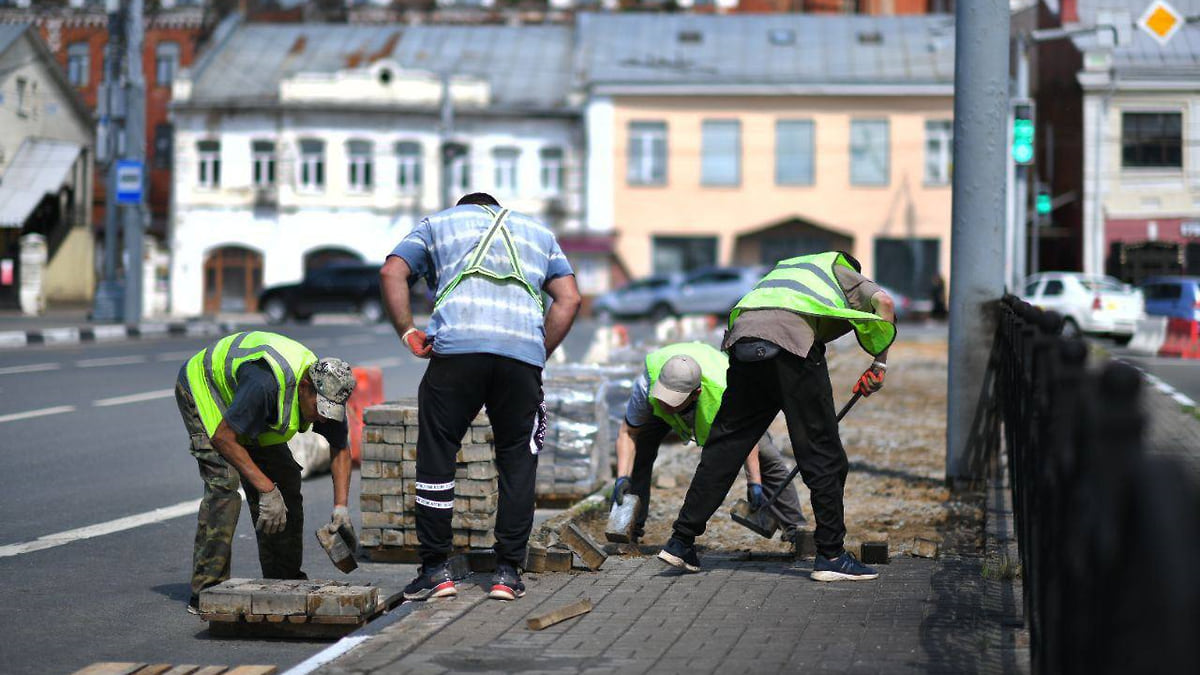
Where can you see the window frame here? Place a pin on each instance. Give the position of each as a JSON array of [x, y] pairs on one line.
[[552, 170], [360, 166], [506, 164], [642, 136], [711, 158], [166, 51], [79, 62], [1164, 147], [812, 151], [856, 177], [208, 164], [263, 160], [311, 165], [943, 133], [408, 166]]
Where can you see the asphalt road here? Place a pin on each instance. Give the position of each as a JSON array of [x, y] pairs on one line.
[[90, 434], [1182, 374]]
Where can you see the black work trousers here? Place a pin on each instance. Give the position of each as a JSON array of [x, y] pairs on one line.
[[770, 463], [755, 394], [451, 394]]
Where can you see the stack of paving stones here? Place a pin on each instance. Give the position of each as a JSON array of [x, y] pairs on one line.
[[579, 438], [389, 484], [288, 608]]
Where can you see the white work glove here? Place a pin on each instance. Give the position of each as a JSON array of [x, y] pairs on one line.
[[341, 517], [272, 512]]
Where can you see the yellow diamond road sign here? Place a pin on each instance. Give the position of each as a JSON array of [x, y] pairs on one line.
[[1161, 21]]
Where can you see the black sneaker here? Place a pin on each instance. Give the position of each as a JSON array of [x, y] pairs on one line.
[[432, 582], [193, 606], [506, 583], [845, 567], [680, 555]]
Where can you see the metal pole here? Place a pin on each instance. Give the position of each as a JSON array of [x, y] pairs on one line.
[[135, 144], [106, 305], [1021, 182], [977, 230]]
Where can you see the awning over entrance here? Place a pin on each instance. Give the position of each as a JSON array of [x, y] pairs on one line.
[[39, 168]]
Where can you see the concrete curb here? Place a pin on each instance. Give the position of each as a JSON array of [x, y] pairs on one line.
[[112, 333]]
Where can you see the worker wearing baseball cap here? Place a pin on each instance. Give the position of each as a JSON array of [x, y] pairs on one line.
[[242, 399], [681, 390]]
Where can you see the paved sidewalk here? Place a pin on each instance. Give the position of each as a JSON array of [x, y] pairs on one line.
[[763, 616]]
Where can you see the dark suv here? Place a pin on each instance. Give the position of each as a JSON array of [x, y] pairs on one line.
[[337, 288]]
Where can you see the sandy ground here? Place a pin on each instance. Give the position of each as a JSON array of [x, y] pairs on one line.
[[895, 441]]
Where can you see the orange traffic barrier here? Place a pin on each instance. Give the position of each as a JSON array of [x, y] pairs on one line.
[[620, 335], [368, 391], [1183, 339]]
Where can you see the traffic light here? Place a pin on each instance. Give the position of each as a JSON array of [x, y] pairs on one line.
[[1043, 203], [1023, 130]]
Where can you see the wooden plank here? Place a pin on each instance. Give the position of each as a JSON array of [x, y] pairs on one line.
[[221, 617], [110, 668], [298, 618], [254, 618], [253, 670], [592, 555], [336, 619], [582, 606], [210, 670], [154, 669], [184, 669], [277, 618]]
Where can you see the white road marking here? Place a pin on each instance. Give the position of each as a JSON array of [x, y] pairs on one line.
[[1183, 400], [389, 362], [176, 356], [134, 398], [326, 655], [355, 340], [111, 361], [31, 368], [12, 417], [126, 523]]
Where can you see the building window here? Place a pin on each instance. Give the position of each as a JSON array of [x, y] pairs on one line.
[[683, 254], [939, 151], [163, 145], [721, 152], [794, 152], [505, 162], [1152, 140], [869, 152], [647, 154], [263, 155], [360, 166], [312, 165], [78, 62], [208, 154], [166, 62], [408, 167], [552, 173], [22, 97]]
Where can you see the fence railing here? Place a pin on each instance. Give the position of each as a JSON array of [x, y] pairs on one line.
[[1109, 537]]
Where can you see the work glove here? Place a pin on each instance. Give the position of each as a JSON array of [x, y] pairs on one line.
[[620, 489], [417, 342], [272, 512], [870, 382], [754, 495], [339, 519]]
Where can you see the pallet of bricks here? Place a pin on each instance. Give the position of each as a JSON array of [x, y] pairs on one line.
[[579, 439], [389, 485]]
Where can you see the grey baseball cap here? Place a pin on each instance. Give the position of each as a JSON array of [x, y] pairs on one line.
[[334, 381], [679, 377]]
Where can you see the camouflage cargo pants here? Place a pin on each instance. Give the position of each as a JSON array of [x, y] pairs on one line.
[[279, 555]]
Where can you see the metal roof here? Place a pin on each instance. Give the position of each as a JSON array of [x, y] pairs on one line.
[[528, 67], [9, 32], [771, 49], [40, 167], [1142, 57]]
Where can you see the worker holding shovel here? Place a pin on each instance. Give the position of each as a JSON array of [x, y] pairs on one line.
[[681, 390], [777, 338]]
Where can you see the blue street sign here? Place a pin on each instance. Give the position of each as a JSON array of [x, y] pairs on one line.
[[129, 181]]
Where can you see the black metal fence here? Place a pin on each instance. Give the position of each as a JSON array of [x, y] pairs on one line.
[[1109, 537]]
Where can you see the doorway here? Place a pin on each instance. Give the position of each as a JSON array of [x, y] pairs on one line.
[[232, 280]]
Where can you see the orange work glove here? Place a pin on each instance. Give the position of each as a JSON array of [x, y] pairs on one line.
[[417, 342], [870, 382]]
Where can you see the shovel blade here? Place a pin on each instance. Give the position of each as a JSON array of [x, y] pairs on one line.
[[760, 521]]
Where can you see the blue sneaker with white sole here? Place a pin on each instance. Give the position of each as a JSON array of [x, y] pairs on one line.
[[680, 555], [845, 567], [434, 581]]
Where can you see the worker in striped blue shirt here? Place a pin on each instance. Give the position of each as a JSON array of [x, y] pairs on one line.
[[489, 336]]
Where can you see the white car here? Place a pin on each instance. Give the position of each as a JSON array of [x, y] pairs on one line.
[[1091, 305]]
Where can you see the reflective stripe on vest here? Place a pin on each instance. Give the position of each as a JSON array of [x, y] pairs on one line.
[[212, 376], [479, 253], [713, 365], [808, 286]]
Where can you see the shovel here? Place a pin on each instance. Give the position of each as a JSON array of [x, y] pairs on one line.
[[763, 520]]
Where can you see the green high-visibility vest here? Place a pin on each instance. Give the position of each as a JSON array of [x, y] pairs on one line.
[[713, 365], [808, 286], [212, 376], [478, 256]]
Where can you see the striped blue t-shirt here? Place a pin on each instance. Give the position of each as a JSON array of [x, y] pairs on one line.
[[483, 315]]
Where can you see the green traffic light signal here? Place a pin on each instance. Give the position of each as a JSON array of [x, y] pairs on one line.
[[1043, 204], [1022, 148]]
